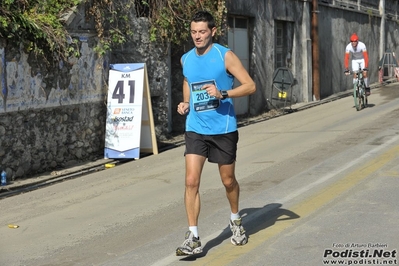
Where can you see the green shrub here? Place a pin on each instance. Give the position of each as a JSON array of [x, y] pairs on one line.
[[38, 26]]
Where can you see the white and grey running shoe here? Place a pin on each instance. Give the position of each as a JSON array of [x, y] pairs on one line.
[[190, 246], [239, 238]]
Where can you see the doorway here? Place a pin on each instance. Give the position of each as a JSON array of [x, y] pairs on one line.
[[239, 44]]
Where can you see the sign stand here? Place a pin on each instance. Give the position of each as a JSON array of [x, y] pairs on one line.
[[129, 124], [147, 122]]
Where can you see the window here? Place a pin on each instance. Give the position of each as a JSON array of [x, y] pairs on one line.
[[279, 45], [283, 43]]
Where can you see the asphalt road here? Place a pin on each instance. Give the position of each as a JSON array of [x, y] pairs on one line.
[[318, 186]]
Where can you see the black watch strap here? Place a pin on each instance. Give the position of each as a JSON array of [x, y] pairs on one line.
[[224, 94]]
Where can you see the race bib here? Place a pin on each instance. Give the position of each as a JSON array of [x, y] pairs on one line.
[[201, 99]]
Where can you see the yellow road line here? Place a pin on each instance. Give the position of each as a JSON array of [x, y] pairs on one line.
[[391, 173], [227, 253]]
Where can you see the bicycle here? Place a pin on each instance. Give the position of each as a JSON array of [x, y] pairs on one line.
[[359, 90]]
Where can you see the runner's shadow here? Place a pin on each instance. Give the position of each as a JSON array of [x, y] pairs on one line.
[[254, 220]]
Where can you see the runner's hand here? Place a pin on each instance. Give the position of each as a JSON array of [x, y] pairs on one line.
[[347, 72], [183, 108], [212, 90]]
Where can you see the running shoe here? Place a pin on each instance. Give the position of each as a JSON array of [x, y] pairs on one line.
[[190, 246], [239, 238]]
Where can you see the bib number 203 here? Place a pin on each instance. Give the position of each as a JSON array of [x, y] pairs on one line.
[[201, 96], [119, 94]]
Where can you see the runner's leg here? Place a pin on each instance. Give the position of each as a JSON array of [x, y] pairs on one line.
[[194, 165], [231, 185]]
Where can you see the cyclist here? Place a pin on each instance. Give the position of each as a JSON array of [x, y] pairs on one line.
[[359, 55]]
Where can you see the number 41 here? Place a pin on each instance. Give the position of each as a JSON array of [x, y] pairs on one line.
[[118, 91]]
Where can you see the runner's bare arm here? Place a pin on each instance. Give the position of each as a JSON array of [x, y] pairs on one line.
[[234, 66], [184, 106]]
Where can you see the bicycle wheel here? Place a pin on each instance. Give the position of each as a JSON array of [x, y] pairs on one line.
[[362, 105], [360, 99], [363, 96], [356, 97]]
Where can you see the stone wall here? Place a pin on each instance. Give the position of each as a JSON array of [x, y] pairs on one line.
[[53, 115], [48, 139], [139, 49]]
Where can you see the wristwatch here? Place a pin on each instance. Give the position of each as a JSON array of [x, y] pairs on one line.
[[224, 94]]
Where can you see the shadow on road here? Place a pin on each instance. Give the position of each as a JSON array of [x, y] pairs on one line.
[[254, 220]]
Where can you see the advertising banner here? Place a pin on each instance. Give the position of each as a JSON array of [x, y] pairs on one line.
[[128, 87]]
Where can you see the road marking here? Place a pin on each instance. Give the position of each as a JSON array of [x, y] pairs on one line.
[[279, 226], [391, 173], [226, 253]]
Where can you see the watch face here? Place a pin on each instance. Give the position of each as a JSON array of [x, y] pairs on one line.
[[224, 94]]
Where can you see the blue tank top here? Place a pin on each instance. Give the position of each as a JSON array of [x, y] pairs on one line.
[[208, 116]]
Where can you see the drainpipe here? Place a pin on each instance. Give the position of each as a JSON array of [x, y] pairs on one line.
[[382, 28], [315, 52], [3, 74]]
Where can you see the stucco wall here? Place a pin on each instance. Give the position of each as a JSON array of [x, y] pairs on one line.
[[31, 84], [335, 25], [263, 15]]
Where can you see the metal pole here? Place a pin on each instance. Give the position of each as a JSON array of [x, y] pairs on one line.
[[315, 52]]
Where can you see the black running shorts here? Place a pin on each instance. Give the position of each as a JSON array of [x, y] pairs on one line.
[[221, 149]]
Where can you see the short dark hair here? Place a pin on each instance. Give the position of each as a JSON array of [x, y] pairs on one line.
[[204, 16]]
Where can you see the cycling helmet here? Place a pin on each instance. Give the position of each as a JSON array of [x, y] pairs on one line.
[[354, 38]]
